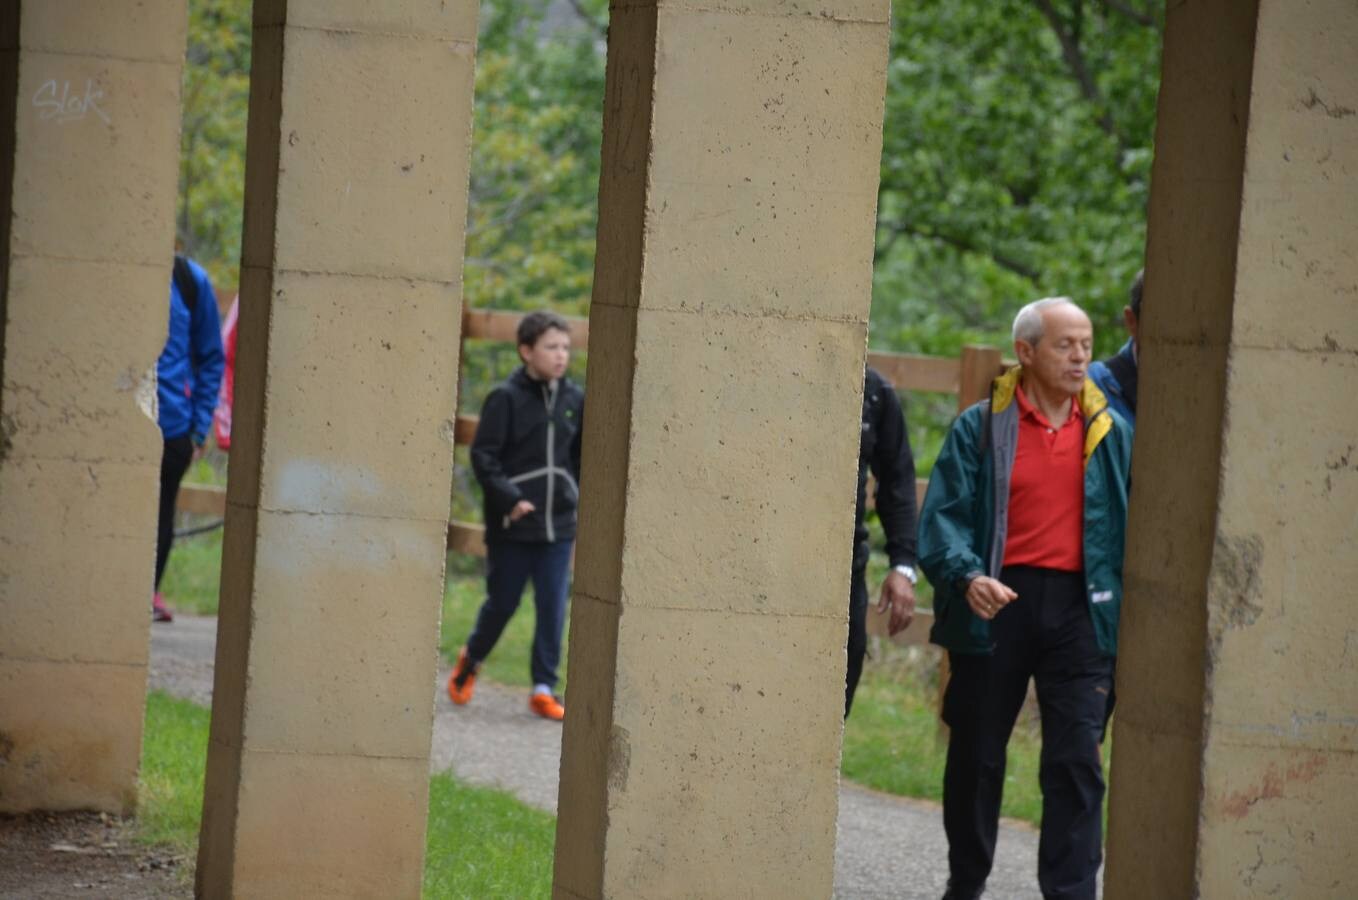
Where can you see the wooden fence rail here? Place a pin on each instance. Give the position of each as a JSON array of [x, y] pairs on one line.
[[968, 377]]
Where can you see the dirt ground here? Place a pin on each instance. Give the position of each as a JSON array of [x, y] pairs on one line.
[[51, 855]]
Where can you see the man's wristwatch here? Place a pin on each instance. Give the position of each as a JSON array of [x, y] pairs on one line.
[[908, 572]]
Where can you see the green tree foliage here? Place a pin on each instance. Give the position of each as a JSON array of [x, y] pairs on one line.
[[1016, 159], [535, 160], [532, 203], [216, 90], [1016, 164]]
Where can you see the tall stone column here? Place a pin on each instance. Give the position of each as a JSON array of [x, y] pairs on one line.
[[1234, 766], [332, 568], [727, 343], [89, 149]]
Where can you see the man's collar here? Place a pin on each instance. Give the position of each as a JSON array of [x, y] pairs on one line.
[[1029, 410]]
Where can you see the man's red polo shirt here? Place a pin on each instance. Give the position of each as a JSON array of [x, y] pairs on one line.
[[1047, 491]]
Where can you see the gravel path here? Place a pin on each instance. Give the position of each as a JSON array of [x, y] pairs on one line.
[[888, 847]]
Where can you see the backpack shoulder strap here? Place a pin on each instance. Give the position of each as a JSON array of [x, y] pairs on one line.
[[184, 280], [985, 426]]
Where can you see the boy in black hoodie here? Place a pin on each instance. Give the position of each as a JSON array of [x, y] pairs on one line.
[[526, 455]]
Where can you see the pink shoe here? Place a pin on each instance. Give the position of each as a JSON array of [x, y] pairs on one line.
[[159, 611]]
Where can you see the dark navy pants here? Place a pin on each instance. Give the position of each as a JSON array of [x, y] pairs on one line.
[[509, 566], [1047, 635], [858, 635]]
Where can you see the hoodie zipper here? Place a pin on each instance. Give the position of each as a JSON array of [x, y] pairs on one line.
[[549, 401]]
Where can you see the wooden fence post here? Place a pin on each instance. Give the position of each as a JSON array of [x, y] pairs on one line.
[[978, 368]]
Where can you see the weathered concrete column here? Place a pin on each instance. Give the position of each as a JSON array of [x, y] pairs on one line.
[[89, 145], [332, 569], [1234, 768], [727, 341]]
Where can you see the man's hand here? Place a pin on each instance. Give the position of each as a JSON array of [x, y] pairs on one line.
[[898, 595], [521, 509], [987, 597]]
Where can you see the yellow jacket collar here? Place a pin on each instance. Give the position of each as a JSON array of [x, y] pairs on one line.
[[1003, 389], [1093, 405]]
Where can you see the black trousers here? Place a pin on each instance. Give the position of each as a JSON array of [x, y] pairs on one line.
[[174, 462], [858, 634], [1046, 634]]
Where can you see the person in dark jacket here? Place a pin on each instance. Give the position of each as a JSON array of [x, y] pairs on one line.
[[884, 448], [1022, 538], [1116, 376], [526, 456], [188, 375]]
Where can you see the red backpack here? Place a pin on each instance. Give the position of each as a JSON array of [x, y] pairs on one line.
[[221, 417]]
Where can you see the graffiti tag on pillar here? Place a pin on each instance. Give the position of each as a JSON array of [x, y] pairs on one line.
[[59, 104]]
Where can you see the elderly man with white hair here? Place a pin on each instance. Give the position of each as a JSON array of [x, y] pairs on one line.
[[1021, 535]]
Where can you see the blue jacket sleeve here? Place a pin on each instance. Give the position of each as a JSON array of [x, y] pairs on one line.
[[948, 538], [205, 343]]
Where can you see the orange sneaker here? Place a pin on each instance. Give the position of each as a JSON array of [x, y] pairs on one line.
[[547, 706], [463, 680]]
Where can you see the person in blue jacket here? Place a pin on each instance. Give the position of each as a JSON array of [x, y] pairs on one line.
[[1116, 376], [188, 375]]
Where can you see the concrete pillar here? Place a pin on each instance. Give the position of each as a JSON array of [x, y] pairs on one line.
[[1234, 764], [727, 342], [332, 570], [89, 148]]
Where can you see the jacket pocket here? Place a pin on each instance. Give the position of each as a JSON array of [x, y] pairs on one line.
[[978, 632]]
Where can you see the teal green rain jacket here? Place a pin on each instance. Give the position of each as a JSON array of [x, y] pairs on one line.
[[964, 522]]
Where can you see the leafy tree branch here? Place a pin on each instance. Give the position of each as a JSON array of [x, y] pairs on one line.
[[1139, 17], [1068, 34], [965, 245], [599, 28]]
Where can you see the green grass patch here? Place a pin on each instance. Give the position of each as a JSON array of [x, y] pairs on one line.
[[210, 468], [480, 842], [509, 663], [193, 574], [485, 843], [892, 741], [193, 579], [173, 753]]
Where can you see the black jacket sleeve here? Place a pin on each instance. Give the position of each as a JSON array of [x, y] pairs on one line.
[[576, 443], [488, 450], [893, 465]]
